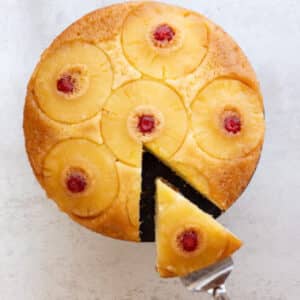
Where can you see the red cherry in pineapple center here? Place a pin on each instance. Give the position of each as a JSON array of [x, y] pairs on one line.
[[164, 33], [65, 84], [188, 240], [233, 124], [146, 124], [76, 182]]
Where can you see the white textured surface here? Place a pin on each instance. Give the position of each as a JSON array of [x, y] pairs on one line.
[[45, 256]]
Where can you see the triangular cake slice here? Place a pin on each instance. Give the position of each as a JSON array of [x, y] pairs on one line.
[[187, 239]]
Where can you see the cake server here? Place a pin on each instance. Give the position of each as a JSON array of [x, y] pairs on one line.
[[210, 280]]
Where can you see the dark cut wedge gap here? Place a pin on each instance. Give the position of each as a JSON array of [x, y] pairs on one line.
[[153, 168]]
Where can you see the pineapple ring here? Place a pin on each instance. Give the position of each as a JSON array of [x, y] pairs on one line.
[[124, 102], [97, 163], [208, 111], [184, 54], [96, 84]]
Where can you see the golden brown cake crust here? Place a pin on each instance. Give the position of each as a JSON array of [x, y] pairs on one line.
[[224, 179]]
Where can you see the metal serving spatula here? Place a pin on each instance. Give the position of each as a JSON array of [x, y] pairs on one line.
[[210, 280]]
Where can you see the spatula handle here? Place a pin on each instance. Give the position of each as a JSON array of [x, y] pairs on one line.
[[220, 293]]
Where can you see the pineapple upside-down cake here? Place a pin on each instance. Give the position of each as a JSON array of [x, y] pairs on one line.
[[143, 121]]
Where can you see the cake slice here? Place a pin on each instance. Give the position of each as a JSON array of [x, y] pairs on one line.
[[187, 239]]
